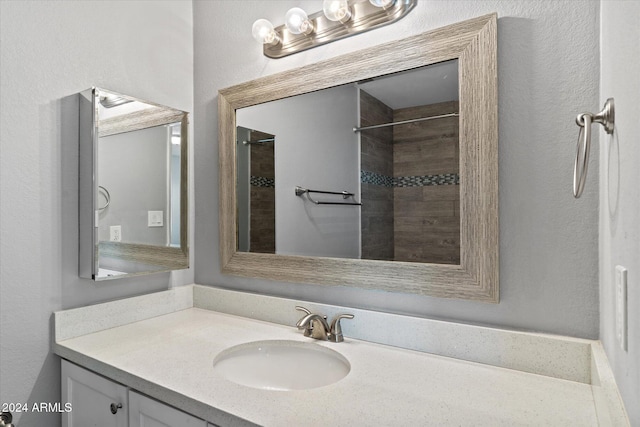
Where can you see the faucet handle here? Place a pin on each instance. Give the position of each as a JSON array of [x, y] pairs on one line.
[[301, 308], [308, 328], [336, 329]]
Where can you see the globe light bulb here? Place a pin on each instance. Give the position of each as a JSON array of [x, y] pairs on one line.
[[297, 21], [336, 10], [263, 32], [382, 3]]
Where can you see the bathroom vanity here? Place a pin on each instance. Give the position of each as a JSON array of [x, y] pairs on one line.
[[155, 355]]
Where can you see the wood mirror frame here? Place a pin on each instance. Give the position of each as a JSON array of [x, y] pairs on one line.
[[474, 44]]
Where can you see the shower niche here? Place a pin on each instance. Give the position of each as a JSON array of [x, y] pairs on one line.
[[133, 186]]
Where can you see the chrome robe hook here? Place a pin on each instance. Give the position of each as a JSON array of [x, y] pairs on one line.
[[606, 118]]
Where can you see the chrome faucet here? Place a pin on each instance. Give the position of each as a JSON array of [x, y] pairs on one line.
[[316, 326]]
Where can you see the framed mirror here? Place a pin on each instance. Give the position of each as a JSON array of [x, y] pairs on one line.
[[133, 186], [431, 201]]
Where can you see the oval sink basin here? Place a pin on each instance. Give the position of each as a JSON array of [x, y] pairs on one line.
[[281, 365]]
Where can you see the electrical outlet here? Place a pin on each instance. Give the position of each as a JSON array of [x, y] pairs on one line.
[[115, 233], [621, 306]]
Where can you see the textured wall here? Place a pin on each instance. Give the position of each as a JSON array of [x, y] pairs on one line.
[[548, 70], [620, 191], [51, 50]]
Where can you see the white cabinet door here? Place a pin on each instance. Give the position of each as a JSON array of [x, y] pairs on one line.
[[146, 412], [91, 397]]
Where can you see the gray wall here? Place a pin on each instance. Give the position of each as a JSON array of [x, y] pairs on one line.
[[315, 148], [51, 50], [620, 192], [548, 70]]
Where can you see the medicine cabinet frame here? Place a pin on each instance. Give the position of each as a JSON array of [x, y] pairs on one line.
[[157, 258]]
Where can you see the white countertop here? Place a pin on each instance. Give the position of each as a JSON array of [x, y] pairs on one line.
[[170, 357]]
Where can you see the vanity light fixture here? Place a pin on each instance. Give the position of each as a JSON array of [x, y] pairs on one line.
[[264, 33], [338, 19], [337, 10], [297, 22], [382, 3]]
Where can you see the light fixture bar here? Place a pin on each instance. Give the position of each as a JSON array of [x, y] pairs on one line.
[[364, 17]]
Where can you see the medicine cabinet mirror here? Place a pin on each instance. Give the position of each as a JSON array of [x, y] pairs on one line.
[[133, 186], [310, 164]]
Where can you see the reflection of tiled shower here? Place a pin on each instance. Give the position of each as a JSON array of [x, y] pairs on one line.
[[376, 176], [409, 176], [256, 191], [263, 198]]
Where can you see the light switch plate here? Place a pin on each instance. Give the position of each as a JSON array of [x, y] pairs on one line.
[[155, 218], [621, 306]]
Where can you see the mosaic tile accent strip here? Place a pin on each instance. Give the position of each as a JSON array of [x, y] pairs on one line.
[[421, 181], [260, 181], [367, 177]]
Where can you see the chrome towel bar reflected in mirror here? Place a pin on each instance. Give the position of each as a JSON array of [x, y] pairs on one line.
[[606, 118], [345, 195]]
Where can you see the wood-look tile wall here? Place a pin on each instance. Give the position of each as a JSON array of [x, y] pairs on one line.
[[376, 156], [426, 218], [412, 223], [263, 198]]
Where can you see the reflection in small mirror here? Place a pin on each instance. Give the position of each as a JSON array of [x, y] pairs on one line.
[[140, 171], [392, 141], [133, 165]]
